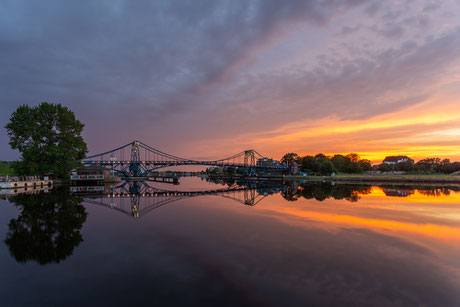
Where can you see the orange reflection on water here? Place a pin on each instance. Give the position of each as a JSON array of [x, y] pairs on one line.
[[432, 196], [431, 230], [413, 213]]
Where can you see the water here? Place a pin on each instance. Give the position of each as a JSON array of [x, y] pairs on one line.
[[262, 244]]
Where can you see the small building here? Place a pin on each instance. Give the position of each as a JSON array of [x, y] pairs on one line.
[[397, 159], [93, 174], [268, 162], [264, 162]]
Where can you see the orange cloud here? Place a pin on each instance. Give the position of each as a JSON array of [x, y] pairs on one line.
[[427, 129]]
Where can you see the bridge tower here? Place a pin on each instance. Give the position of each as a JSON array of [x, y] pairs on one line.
[[135, 166], [250, 162], [250, 158]]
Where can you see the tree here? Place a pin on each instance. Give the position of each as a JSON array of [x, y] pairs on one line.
[[326, 168], [354, 157], [48, 228], [454, 167], [321, 156], [445, 167], [290, 158], [385, 167], [428, 165], [48, 138], [308, 164], [365, 165], [354, 168], [405, 166], [341, 163]]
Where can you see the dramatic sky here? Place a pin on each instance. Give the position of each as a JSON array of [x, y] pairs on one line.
[[206, 79]]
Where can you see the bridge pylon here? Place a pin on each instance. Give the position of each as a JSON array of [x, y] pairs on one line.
[[136, 169], [250, 158]]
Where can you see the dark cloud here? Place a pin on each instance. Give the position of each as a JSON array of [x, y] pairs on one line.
[[349, 89], [136, 61], [174, 72]]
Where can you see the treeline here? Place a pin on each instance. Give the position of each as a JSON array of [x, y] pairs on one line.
[[325, 166], [427, 166], [6, 169]]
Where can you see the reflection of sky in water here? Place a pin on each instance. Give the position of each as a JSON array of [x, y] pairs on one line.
[[380, 250]]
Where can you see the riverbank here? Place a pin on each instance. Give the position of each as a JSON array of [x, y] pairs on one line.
[[406, 178], [355, 178]]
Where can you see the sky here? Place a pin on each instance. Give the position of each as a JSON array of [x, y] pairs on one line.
[[207, 79]]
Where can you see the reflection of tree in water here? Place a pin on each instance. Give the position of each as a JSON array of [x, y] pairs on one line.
[[351, 192], [435, 192], [324, 190], [407, 190], [290, 193], [48, 228]]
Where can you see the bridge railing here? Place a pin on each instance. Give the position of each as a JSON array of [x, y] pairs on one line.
[[86, 177]]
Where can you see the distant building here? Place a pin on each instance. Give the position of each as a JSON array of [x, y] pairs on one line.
[[268, 162], [397, 159], [90, 174]]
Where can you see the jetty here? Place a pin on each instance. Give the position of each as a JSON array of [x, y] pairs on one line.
[[26, 182]]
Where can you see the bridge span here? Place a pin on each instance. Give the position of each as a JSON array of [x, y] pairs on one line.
[[137, 159]]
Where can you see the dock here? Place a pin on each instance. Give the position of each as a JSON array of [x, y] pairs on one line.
[[16, 182]]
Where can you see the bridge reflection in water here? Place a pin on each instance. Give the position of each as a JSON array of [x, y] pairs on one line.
[[137, 198]]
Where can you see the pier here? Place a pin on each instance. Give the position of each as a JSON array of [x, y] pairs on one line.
[[15, 182]]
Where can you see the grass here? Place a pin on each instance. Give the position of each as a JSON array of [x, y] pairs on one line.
[[6, 169]]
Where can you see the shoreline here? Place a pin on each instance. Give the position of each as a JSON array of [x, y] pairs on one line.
[[424, 179], [382, 178]]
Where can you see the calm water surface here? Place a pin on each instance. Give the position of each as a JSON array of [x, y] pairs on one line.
[[253, 245]]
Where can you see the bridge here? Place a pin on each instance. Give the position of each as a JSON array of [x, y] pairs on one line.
[[138, 160], [137, 198]]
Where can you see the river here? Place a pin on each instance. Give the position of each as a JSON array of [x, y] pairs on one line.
[[201, 243]]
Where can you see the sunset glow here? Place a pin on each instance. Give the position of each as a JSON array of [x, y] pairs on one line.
[[430, 218]]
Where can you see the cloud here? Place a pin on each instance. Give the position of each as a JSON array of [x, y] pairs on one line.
[[176, 73], [349, 89], [139, 61]]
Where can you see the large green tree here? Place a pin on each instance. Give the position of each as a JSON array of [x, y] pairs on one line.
[[49, 139], [290, 158], [48, 228]]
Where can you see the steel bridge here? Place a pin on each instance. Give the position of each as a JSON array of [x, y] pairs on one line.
[[137, 198], [137, 159]]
